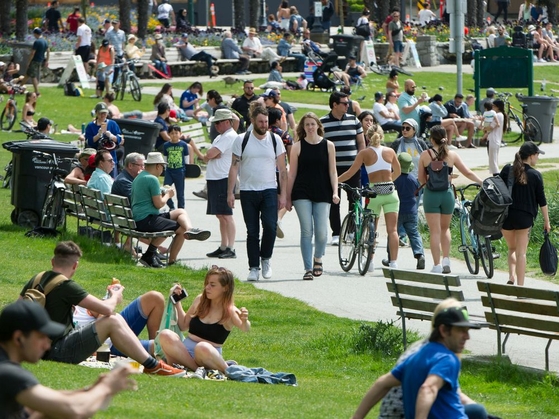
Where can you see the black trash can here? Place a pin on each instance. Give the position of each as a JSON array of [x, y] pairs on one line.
[[139, 135], [543, 109], [346, 45], [31, 176]]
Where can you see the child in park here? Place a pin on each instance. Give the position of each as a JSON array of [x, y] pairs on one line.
[[495, 131], [488, 117], [176, 154]]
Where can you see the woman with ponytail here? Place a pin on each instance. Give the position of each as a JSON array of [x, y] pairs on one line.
[[439, 205], [527, 194], [383, 168]]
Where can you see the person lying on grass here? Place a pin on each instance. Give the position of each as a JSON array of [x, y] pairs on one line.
[[209, 321]]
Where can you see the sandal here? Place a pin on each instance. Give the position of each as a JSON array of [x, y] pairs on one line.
[[317, 268], [510, 283], [308, 276]]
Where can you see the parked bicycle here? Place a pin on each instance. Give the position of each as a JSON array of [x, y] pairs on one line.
[[385, 69], [9, 113], [358, 233], [474, 247], [52, 214], [529, 127], [127, 78], [7, 178]]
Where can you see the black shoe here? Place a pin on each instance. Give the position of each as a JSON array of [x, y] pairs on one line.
[[228, 254], [161, 256], [216, 253], [150, 260], [420, 262], [197, 234], [385, 262]]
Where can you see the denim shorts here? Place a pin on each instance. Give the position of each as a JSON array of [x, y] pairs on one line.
[[189, 344], [398, 46]]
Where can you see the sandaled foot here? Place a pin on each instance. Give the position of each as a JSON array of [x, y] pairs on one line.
[[308, 276], [510, 282], [317, 268]]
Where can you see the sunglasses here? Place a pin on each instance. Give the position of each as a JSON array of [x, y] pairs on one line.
[[343, 103], [406, 128]]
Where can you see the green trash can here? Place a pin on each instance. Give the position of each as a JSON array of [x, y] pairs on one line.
[[543, 109]]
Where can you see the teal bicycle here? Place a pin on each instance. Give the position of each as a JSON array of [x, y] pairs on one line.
[[358, 233]]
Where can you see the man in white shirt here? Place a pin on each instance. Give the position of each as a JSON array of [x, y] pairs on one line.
[[218, 159], [387, 119], [166, 14], [255, 155], [83, 43], [253, 48], [426, 15]]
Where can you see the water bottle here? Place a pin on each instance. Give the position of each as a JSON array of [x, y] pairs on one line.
[[83, 128], [542, 87]]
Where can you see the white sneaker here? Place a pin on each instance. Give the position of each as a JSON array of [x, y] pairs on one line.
[[541, 60], [279, 231], [266, 268], [446, 265], [335, 240], [437, 269], [393, 265], [200, 373], [452, 147], [253, 275], [461, 138]]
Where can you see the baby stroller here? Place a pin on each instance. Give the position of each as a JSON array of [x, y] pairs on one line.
[[320, 72]]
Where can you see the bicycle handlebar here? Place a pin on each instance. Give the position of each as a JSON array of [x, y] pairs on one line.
[[464, 188], [358, 192]]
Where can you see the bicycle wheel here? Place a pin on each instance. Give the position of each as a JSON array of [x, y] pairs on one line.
[[486, 254], [135, 89], [8, 117], [346, 247], [467, 248], [366, 245], [7, 181], [532, 130], [122, 85], [401, 70], [47, 214]]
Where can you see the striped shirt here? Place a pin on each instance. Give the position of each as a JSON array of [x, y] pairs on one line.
[[343, 133]]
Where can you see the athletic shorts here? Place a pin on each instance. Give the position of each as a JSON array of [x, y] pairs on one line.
[[189, 344], [518, 220], [398, 46], [76, 346], [157, 222], [387, 203], [217, 198], [438, 202]]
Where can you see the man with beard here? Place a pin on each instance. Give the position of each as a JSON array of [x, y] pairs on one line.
[[241, 104], [408, 103], [255, 155]]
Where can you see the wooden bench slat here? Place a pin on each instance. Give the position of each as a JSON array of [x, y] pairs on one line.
[[524, 306], [418, 291], [516, 291], [507, 320], [425, 278]]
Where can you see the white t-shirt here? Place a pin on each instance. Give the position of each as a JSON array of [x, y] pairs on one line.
[[425, 16], [219, 168], [164, 10], [258, 161], [377, 109], [82, 317], [85, 32], [393, 107], [488, 117], [253, 43], [496, 135]]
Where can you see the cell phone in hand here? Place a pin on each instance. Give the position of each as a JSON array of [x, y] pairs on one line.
[[177, 297]]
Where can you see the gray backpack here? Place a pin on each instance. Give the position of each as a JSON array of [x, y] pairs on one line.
[[439, 174]]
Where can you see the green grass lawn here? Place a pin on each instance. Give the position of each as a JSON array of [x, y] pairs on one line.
[[334, 359]]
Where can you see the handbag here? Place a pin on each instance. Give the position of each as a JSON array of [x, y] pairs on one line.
[[548, 256]]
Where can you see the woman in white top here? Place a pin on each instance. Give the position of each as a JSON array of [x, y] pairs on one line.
[[284, 14], [525, 12], [383, 168], [392, 104], [491, 37]]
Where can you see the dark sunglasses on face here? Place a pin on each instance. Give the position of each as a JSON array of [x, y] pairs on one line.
[[406, 128]]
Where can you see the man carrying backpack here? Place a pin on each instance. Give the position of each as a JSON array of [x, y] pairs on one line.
[[76, 345], [255, 155]]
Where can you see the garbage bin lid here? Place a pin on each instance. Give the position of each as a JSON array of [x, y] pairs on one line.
[[136, 122], [48, 146], [537, 98]]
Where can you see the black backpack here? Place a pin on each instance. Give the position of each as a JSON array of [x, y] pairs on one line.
[[439, 174], [490, 207]]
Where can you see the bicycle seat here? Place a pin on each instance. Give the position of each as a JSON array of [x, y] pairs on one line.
[[367, 193]]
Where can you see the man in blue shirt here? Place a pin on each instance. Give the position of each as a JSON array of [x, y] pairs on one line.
[[429, 378], [39, 57], [408, 103]]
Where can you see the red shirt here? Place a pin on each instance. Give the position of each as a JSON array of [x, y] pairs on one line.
[[72, 22]]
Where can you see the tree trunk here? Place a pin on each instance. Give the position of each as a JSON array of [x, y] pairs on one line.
[[254, 6], [480, 13], [239, 22], [21, 19], [551, 9], [124, 14], [84, 5], [5, 10], [383, 11], [143, 18], [470, 18]]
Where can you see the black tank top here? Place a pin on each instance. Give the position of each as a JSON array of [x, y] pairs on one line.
[[313, 177], [213, 332]]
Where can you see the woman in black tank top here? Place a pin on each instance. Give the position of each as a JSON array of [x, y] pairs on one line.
[[312, 186], [209, 320]]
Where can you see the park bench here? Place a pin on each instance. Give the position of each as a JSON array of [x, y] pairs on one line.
[[417, 294], [72, 204], [96, 213], [122, 220], [522, 311]]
